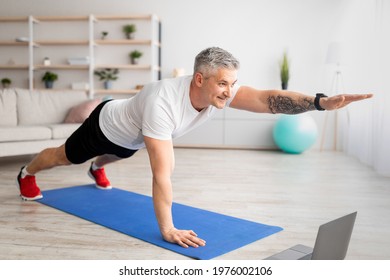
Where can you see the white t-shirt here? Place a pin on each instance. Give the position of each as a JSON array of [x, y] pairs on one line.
[[162, 110]]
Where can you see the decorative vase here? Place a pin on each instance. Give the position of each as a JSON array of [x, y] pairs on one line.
[[134, 60], [49, 84], [107, 84], [46, 61], [284, 85]]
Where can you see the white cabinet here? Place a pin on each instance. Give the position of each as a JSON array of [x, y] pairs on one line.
[[232, 128]]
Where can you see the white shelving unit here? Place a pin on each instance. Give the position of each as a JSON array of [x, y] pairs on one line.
[[19, 63], [60, 37], [147, 39]]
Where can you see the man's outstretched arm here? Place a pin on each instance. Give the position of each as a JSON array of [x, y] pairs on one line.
[[288, 102], [162, 163]]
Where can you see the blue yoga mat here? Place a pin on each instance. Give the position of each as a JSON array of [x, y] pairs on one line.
[[132, 214]]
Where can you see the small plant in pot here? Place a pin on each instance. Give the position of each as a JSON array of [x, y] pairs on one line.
[[129, 30], [6, 82], [284, 71], [134, 56], [104, 35], [49, 78], [107, 75]]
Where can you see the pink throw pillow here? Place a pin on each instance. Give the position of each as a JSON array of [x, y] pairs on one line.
[[79, 113]]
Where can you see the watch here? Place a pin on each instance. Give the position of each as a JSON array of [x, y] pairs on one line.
[[317, 101]]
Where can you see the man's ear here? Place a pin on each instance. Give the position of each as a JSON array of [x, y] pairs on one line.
[[199, 79]]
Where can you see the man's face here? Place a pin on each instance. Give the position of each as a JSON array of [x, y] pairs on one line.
[[217, 88]]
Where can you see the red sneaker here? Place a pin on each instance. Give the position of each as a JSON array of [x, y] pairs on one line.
[[28, 187], [99, 176]]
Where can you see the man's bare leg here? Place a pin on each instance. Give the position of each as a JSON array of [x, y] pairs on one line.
[[48, 158], [97, 172], [102, 160]]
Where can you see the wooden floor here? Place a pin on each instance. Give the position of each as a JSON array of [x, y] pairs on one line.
[[296, 192]]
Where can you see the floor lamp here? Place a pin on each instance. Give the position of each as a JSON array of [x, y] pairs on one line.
[[333, 57]]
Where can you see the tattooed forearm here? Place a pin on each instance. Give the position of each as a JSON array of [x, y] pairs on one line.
[[287, 105]]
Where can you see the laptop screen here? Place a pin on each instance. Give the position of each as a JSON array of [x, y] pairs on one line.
[[333, 238]]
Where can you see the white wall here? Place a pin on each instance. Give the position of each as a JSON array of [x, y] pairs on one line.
[[256, 31]]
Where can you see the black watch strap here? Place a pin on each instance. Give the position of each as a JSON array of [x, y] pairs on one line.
[[317, 101]]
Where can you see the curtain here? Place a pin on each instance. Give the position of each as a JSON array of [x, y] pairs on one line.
[[366, 125]]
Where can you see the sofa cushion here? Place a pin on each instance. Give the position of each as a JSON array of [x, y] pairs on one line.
[[60, 131], [46, 107], [8, 114], [24, 133], [80, 112]]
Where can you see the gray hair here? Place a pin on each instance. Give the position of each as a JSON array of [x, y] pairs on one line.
[[211, 59]]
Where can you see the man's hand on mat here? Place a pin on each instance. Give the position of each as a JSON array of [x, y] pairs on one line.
[[185, 238]]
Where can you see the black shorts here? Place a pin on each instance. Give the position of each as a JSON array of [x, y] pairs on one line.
[[88, 141]]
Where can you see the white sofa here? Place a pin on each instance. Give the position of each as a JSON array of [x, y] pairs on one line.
[[32, 121]]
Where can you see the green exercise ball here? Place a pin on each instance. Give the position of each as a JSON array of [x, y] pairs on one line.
[[295, 133]]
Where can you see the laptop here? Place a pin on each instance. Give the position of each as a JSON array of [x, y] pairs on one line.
[[331, 243]]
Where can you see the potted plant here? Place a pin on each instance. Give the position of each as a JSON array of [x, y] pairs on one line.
[[134, 56], [129, 30], [6, 82], [104, 35], [284, 71], [107, 75], [48, 78]]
